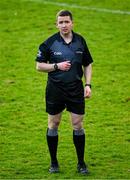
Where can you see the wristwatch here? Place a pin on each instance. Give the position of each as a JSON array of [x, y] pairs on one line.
[[88, 85], [55, 66]]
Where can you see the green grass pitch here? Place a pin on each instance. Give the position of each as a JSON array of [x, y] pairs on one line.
[[23, 148]]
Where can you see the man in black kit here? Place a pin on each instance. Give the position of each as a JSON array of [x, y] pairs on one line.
[[65, 57]]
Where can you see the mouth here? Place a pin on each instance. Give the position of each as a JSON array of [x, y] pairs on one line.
[[64, 30]]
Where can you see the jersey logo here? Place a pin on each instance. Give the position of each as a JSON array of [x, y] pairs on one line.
[[79, 52], [39, 53], [58, 53]]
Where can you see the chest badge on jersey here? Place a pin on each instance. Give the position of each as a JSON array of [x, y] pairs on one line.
[[58, 53]]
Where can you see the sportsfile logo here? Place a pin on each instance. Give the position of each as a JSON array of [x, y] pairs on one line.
[[58, 53]]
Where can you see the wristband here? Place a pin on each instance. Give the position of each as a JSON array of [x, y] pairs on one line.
[[55, 66], [88, 85]]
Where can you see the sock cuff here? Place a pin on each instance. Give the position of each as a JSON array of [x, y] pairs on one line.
[[79, 132], [52, 132]]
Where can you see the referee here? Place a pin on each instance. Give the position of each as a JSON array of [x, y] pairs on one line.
[[65, 57]]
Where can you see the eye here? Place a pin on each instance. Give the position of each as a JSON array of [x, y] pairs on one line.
[[66, 22], [60, 22]]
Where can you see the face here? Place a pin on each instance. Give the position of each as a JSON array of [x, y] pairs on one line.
[[64, 24]]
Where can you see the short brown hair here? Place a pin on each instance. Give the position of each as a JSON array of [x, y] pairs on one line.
[[64, 13]]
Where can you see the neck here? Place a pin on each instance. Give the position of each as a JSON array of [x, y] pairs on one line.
[[67, 37]]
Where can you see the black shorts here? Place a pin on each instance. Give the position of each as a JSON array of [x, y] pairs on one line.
[[60, 96]]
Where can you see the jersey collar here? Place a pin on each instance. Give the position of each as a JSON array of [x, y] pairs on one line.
[[62, 40]]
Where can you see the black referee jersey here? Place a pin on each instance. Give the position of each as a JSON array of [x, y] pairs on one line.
[[56, 50]]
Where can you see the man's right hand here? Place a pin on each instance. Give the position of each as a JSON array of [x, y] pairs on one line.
[[64, 66]]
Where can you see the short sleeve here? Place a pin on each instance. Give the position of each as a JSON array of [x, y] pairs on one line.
[[87, 58], [43, 53]]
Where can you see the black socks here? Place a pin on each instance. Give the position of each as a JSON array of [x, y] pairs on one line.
[[52, 141], [78, 139], [79, 142]]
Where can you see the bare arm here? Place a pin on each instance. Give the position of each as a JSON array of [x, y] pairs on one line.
[[87, 76], [45, 67]]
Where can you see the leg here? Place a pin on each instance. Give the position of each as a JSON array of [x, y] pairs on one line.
[[52, 140], [77, 121], [78, 136], [79, 141], [54, 121]]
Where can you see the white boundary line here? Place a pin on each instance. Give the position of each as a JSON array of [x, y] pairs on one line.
[[83, 7]]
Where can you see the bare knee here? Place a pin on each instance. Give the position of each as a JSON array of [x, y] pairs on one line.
[[77, 124], [77, 121], [54, 121]]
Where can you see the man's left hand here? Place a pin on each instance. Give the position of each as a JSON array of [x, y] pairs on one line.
[[87, 92]]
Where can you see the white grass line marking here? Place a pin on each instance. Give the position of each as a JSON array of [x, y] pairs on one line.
[[84, 7]]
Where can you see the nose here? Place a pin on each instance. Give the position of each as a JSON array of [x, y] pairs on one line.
[[64, 24]]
